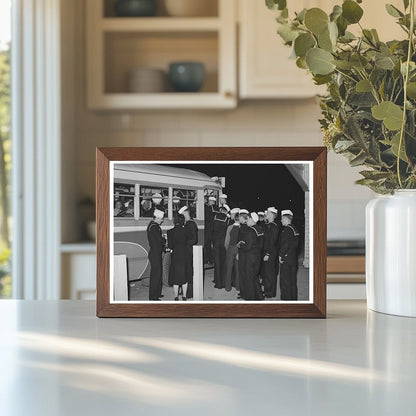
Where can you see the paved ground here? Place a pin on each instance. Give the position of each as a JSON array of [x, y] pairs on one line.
[[140, 290]]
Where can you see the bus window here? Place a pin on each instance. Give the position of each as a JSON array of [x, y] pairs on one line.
[[182, 197], [151, 198], [124, 200]]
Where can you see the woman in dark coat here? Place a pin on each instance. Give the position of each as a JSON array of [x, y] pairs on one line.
[[177, 243]]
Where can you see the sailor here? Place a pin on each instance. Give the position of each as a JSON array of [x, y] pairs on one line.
[[210, 210], [177, 245], [271, 237], [242, 219], [157, 246], [231, 241], [250, 249], [191, 230], [157, 201], [233, 214], [219, 232], [223, 199], [261, 222], [288, 247]]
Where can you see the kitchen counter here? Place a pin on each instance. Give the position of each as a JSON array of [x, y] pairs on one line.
[[57, 358]]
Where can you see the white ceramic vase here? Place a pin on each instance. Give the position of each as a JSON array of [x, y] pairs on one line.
[[391, 253]]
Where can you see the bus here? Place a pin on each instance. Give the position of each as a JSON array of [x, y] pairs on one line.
[[139, 188]]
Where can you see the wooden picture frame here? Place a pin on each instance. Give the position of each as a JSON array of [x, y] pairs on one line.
[[315, 156]]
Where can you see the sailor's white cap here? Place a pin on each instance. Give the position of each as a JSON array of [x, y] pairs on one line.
[[243, 211], [260, 213], [212, 198], [183, 209], [287, 212], [158, 213], [224, 196], [272, 209], [254, 216], [235, 210], [157, 198]]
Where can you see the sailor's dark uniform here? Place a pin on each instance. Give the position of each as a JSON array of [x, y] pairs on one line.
[[157, 246], [219, 233], [269, 272], [288, 248], [251, 246], [231, 268], [209, 212]]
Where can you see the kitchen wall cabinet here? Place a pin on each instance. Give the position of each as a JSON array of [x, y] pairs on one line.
[[117, 45], [265, 70]]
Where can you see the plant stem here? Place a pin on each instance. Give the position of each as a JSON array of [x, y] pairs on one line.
[[346, 75], [406, 80]]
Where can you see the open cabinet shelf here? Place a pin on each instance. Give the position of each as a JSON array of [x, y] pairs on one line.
[[116, 46], [160, 24]]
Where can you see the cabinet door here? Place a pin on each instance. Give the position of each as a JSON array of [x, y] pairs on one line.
[[266, 71]]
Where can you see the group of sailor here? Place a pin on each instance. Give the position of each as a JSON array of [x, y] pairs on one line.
[[249, 249]]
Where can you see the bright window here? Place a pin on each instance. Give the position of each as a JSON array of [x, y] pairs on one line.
[[5, 147]]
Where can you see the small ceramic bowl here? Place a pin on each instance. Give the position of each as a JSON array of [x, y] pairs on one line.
[[135, 8], [186, 76], [147, 80]]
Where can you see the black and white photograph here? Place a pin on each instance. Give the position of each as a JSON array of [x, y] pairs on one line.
[[211, 232]]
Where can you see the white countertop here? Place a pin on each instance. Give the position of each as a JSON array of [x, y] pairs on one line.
[[57, 358]]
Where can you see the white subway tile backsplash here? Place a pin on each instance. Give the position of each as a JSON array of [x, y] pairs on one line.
[[202, 120], [170, 138], [145, 120]]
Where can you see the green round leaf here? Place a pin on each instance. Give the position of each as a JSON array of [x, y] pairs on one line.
[[287, 33], [363, 86], [325, 42], [336, 12], [319, 61], [388, 112], [384, 62], [316, 20], [351, 11], [344, 65], [333, 32], [276, 4], [303, 43], [358, 61], [301, 63], [395, 144], [411, 90], [393, 11]]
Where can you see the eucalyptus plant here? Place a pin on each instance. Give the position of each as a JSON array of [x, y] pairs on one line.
[[369, 111]]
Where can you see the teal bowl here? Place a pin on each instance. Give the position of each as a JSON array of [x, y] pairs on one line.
[[135, 8], [187, 76]]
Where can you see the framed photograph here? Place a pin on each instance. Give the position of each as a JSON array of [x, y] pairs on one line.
[[211, 232]]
